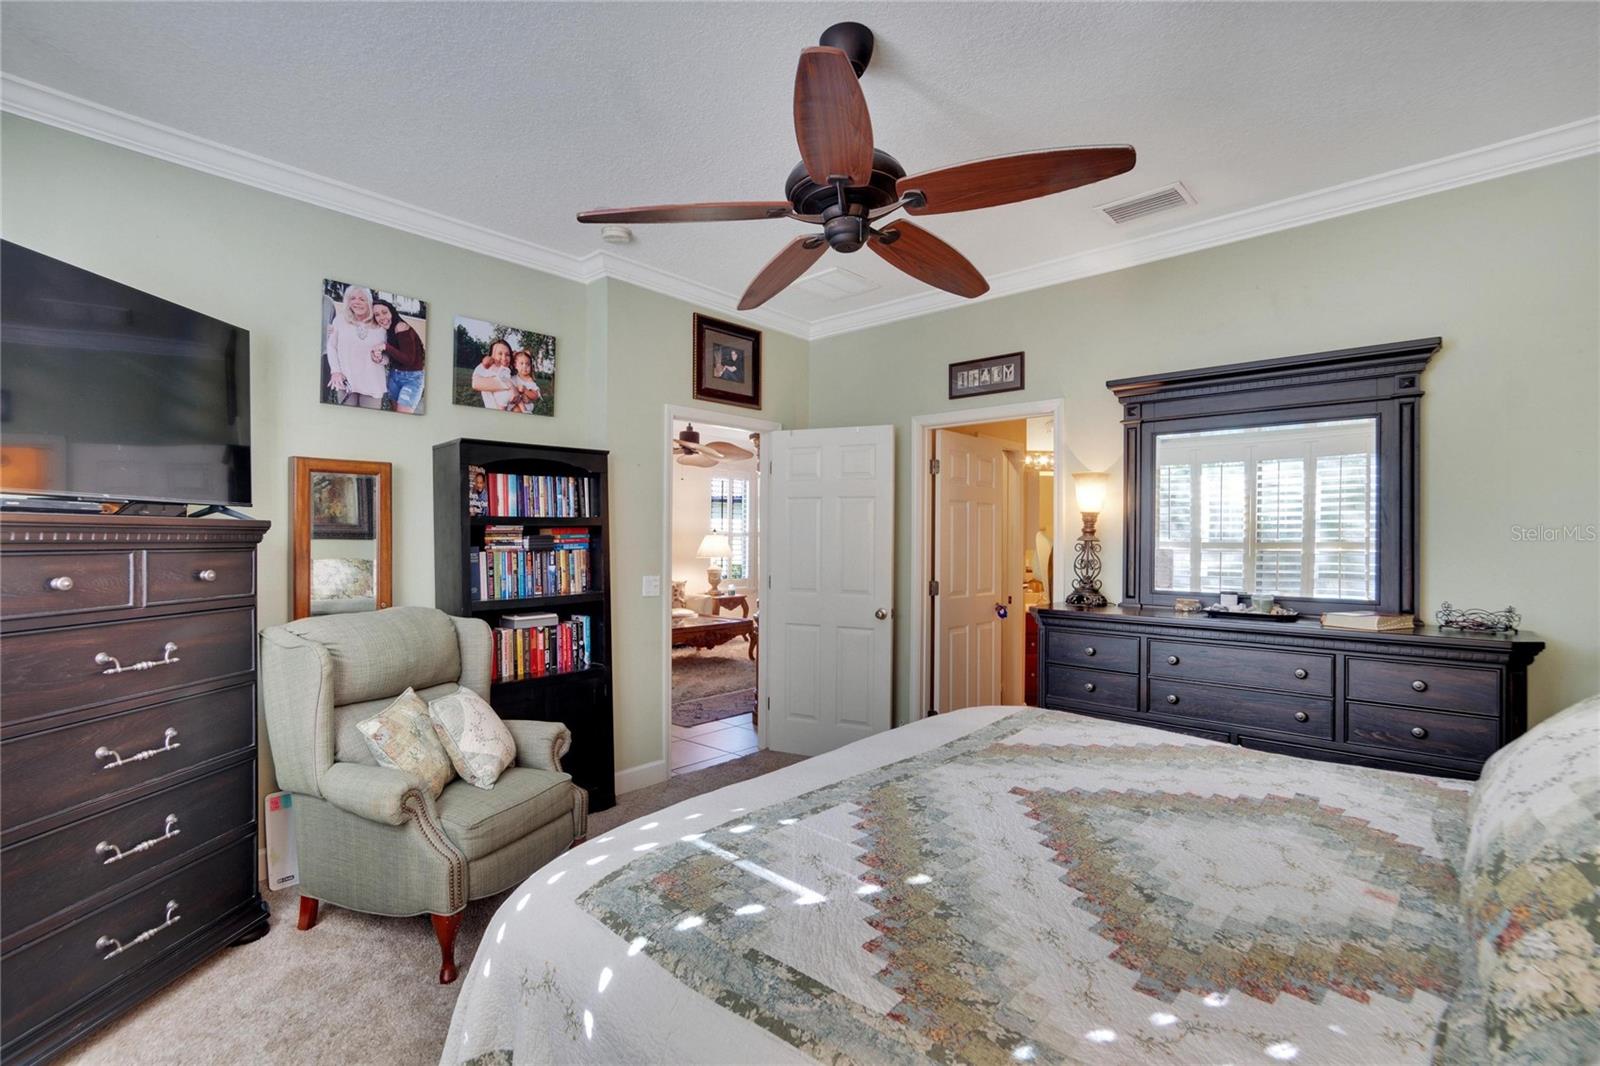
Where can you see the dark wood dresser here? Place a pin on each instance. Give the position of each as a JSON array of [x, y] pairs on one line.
[[127, 763], [1429, 701]]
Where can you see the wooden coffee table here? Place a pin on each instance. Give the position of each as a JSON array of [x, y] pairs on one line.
[[710, 632]]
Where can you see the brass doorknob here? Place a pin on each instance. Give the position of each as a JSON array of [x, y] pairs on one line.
[[880, 614]]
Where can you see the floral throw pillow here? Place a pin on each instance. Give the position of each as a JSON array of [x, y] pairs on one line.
[[401, 737], [1530, 888], [480, 745]]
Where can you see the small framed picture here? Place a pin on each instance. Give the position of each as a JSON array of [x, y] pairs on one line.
[[373, 348], [727, 362], [341, 507], [980, 377], [504, 368]]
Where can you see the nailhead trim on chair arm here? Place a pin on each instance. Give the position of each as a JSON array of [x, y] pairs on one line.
[[416, 805]]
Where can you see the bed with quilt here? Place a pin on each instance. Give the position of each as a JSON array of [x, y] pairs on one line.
[[1004, 885]]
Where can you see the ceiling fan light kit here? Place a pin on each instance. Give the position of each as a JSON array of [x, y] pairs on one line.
[[846, 184]]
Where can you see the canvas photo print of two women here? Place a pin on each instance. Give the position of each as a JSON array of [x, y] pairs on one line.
[[504, 368], [373, 348]]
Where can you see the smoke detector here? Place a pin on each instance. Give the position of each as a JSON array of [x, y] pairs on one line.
[[616, 234], [1167, 198]]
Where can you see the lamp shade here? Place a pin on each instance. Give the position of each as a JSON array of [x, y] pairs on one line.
[[714, 546], [1091, 491]]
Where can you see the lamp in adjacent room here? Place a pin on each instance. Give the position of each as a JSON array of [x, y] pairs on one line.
[[714, 545], [1090, 489]]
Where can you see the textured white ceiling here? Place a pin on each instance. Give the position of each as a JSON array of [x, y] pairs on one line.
[[515, 116]]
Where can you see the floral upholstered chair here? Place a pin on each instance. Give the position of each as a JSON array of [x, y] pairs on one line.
[[376, 839]]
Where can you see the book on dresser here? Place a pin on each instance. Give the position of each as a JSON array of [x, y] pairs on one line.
[[128, 782], [521, 538]]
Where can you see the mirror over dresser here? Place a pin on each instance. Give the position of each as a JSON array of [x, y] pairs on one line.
[[1290, 485]]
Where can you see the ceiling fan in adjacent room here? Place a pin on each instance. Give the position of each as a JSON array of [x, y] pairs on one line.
[[690, 452], [847, 185]]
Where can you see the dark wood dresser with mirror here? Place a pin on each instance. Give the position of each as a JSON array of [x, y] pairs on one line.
[[1292, 484], [127, 763]]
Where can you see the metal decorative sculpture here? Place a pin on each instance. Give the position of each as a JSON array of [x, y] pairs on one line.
[[1473, 620], [1086, 567]]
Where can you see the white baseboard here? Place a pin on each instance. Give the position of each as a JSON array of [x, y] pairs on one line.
[[636, 777]]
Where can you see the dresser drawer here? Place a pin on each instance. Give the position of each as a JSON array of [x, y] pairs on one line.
[[1420, 684], [1242, 708], [57, 770], [69, 965], [1281, 671], [1077, 647], [50, 672], [50, 873], [1451, 736], [65, 582], [196, 576], [1069, 686]]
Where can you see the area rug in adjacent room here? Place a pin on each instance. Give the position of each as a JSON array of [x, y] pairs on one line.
[[712, 683]]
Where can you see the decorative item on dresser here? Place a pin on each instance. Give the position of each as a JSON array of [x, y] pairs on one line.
[[1292, 482], [127, 763], [561, 567], [1090, 488]]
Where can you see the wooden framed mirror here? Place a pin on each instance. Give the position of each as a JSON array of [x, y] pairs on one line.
[[343, 543], [1292, 478]]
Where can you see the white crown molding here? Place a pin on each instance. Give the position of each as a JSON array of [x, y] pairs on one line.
[[1540, 149], [43, 104]]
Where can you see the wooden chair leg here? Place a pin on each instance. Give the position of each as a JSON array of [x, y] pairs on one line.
[[308, 912], [444, 927]]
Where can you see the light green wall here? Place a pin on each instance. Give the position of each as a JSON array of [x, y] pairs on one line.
[[1505, 271], [257, 260]]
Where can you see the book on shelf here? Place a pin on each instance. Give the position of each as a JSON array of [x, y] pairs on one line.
[[539, 651], [1371, 621], [535, 620], [536, 496], [551, 562], [477, 491]]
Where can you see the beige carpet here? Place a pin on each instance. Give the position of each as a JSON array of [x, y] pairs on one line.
[[354, 990], [701, 672]]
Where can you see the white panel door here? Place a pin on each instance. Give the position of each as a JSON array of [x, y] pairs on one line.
[[969, 509], [827, 629]]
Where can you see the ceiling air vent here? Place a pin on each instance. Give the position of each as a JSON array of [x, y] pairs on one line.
[[1147, 203], [835, 283]]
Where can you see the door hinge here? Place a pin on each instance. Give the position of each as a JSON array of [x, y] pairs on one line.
[[933, 467], [769, 581], [933, 587], [769, 703]]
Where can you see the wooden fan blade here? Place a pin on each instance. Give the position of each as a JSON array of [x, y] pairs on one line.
[[1006, 179], [831, 122], [732, 211], [928, 259], [796, 257], [732, 452], [697, 460]]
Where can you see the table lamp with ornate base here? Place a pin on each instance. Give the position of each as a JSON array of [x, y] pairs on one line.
[[1091, 493], [714, 545]]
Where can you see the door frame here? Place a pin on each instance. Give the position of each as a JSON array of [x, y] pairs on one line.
[[922, 450], [671, 413]]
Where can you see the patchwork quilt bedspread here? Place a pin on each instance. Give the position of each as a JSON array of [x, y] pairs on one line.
[[999, 885]]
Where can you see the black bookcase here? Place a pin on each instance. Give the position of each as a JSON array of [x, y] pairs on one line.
[[580, 699]]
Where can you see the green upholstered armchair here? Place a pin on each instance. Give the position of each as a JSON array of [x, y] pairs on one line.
[[372, 839]]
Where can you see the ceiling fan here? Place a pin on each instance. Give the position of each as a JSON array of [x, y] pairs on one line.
[[846, 184], [690, 452]]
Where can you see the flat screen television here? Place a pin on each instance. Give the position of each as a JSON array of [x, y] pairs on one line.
[[109, 393]]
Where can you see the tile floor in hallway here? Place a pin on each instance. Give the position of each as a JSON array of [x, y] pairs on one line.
[[706, 744]]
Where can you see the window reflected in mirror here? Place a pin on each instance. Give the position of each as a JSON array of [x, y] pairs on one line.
[[1284, 510]]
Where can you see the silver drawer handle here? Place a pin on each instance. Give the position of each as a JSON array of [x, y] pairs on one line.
[[1419, 732], [168, 657], [114, 947], [206, 575], [1172, 699], [1089, 650], [61, 584], [1420, 686], [1088, 686], [1172, 660], [169, 741], [1301, 716], [1301, 674], [169, 831]]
